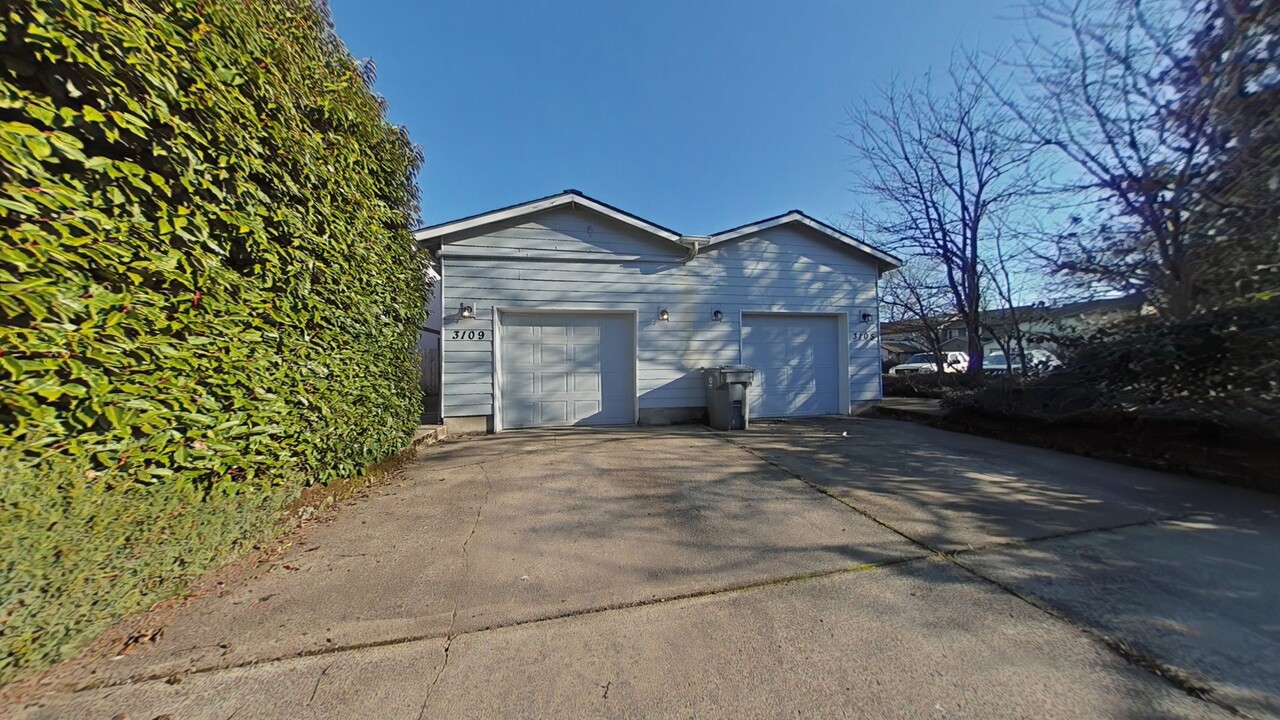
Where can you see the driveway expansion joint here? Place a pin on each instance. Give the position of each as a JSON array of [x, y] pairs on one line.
[[1129, 654], [1003, 544], [451, 636], [927, 551]]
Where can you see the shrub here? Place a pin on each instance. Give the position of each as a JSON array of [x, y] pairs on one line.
[[1220, 367], [209, 292], [928, 385]]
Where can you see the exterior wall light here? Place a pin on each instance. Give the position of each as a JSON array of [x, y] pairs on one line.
[[663, 315], [466, 312], [866, 317], [717, 315]]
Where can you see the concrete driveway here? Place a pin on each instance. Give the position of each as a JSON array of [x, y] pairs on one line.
[[850, 567]]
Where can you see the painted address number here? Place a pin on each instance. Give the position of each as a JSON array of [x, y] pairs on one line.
[[863, 335], [466, 334]]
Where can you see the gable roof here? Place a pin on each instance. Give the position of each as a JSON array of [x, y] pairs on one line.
[[798, 217], [576, 198], [566, 198]]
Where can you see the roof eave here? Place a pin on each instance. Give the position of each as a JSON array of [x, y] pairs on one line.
[[569, 198], [884, 261]]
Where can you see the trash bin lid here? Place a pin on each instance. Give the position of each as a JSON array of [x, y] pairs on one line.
[[736, 368]]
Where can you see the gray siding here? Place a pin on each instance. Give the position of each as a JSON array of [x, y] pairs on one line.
[[573, 259]]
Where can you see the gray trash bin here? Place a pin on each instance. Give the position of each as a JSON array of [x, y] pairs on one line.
[[727, 396]]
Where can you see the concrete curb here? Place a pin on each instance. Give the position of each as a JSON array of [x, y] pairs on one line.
[[426, 436], [911, 409]]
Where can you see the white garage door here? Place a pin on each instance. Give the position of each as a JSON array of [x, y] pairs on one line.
[[797, 363], [567, 369]]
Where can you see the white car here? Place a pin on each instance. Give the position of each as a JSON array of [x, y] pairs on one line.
[[1037, 362], [953, 362]]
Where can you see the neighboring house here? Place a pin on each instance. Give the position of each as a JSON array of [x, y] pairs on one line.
[[901, 339], [1039, 324], [567, 311]]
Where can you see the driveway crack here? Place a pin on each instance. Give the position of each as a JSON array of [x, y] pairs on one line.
[[466, 571], [316, 688]]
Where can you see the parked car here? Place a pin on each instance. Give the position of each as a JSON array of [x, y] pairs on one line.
[[953, 362], [1037, 362]]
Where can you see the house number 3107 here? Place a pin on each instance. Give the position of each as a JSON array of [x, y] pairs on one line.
[[466, 335]]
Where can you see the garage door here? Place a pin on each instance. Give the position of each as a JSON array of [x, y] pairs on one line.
[[567, 369], [797, 363]]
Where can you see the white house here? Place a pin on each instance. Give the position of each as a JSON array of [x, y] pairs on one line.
[[568, 311]]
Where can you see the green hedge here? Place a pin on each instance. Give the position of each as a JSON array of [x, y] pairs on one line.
[[207, 283], [1219, 367]]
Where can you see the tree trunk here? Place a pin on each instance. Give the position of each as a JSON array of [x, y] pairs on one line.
[[975, 354]]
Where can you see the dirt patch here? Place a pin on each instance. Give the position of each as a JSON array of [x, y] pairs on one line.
[[318, 498], [1202, 450]]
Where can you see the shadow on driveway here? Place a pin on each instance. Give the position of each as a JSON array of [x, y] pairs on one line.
[[1183, 572], [760, 573]]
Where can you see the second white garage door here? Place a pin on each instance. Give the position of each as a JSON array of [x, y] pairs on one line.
[[797, 363], [567, 369]]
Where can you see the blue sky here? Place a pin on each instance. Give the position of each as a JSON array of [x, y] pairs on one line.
[[696, 115]]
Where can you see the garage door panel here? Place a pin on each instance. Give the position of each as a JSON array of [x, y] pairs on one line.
[[554, 412], [553, 382], [796, 358], [586, 356], [521, 353], [770, 335], [587, 409], [553, 353], [521, 383], [586, 382], [567, 369]]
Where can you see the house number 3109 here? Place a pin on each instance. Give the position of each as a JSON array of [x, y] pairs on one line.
[[466, 335]]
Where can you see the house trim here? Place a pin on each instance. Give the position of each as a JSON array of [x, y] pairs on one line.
[[887, 261], [690, 243], [569, 198]]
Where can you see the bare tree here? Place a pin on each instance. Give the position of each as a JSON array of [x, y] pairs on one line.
[[917, 302], [1129, 92], [937, 165], [1005, 318]]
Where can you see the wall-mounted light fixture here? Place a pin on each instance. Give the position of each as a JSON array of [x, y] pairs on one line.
[[717, 315], [466, 312], [663, 315], [866, 317]]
